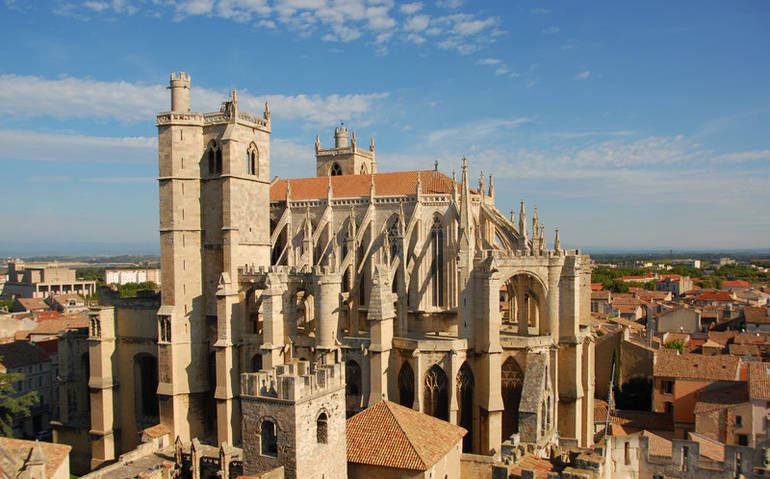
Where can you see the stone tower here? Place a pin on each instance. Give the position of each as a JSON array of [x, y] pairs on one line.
[[344, 158], [214, 189], [294, 415]]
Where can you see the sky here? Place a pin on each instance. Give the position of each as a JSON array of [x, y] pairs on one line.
[[629, 125]]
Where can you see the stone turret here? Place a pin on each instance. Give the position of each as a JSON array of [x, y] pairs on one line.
[[345, 158], [340, 137], [294, 415], [180, 92]]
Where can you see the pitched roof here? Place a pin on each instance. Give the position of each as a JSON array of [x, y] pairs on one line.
[[31, 304], [55, 326], [597, 286], [21, 450], [20, 353], [738, 283], [721, 398], [759, 381], [696, 366], [632, 421], [714, 296], [391, 435], [352, 186], [756, 315]]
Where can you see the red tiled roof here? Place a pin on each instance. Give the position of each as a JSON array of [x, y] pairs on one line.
[[696, 366], [721, 398], [352, 186], [714, 296], [597, 286], [20, 353], [735, 284], [390, 435], [541, 467], [756, 315], [759, 381], [54, 454], [46, 315], [30, 304]]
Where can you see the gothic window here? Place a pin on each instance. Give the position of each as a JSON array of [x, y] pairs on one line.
[[363, 170], [96, 327], [437, 261], [436, 395], [214, 158], [252, 156], [256, 362], [393, 237], [165, 328], [145, 389], [512, 382], [336, 170], [219, 161], [406, 385], [321, 428], [269, 438], [353, 376], [465, 397], [211, 155]]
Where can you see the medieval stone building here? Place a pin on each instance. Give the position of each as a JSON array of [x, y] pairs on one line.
[[428, 294]]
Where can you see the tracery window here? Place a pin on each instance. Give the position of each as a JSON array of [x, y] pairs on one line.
[[164, 322], [336, 170], [393, 237], [436, 394], [252, 156], [214, 158], [437, 261]]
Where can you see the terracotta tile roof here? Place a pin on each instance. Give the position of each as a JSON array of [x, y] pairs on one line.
[[600, 410], [352, 186], [714, 296], [633, 421], [31, 304], [55, 326], [627, 308], [696, 366], [722, 337], [46, 315], [759, 381], [55, 454], [710, 449], [735, 284], [20, 353], [756, 315], [597, 286], [710, 343], [660, 443], [721, 398], [672, 277], [157, 430], [753, 350], [541, 467], [600, 295], [391, 435], [684, 337]]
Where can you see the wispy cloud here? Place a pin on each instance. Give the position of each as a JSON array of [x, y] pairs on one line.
[[552, 30], [74, 98], [35, 146], [489, 61], [476, 131], [336, 21], [584, 75]]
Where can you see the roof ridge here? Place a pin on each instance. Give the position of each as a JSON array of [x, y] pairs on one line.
[[401, 427]]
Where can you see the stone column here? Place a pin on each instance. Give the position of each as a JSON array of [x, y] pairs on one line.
[[455, 362], [101, 350], [380, 318], [488, 344], [227, 364]]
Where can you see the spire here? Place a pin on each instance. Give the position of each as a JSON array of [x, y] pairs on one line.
[[557, 242], [481, 184], [288, 191], [386, 247], [466, 217], [371, 143], [454, 186], [419, 183], [401, 219], [329, 193], [353, 140], [352, 224], [541, 238], [491, 187], [435, 165], [523, 228], [317, 144], [513, 217], [535, 225], [371, 187], [267, 110]]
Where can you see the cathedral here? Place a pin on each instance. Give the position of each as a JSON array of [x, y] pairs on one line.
[[411, 287]]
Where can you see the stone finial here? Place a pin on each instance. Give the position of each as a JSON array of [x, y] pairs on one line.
[[401, 219], [535, 225], [317, 144], [288, 191], [541, 238], [513, 217], [352, 224], [371, 143], [329, 192], [371, 186], [491, 187], [267, 110], [419, 183], [481, 183], [557, 242], [353, 140], [386, 247], [454, 186], [435, 165]]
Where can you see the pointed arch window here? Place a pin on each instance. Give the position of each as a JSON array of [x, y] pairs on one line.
[[322, 428], [393, 237], [252, 158], [336, 170], [214, 158], [437, 261]]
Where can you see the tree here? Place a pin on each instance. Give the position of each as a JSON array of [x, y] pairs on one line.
[[11, 404], [677, 344]]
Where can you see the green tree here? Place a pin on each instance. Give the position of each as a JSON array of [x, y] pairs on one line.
[[12, 404], [677, 344]]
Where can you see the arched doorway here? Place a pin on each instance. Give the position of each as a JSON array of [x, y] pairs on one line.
[[523, 305], [511, 383], [406, 385], [436, 397], [145, 390], [465, 399]]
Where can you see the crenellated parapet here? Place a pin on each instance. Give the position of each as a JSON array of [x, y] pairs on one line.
[[294, 381]]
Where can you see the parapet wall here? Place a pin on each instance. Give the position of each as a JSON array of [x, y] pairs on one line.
[[294, 381]]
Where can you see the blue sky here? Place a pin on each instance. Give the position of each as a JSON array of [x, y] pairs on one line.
[[629, 126]]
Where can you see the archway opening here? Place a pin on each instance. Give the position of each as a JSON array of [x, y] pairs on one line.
[[353, 390], [406, 385], [465, 397], [512, 381], [146, 390], [436, 395]]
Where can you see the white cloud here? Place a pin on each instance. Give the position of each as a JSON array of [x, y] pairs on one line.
[[67, 97], [96, 6], [34, 146], [410, 8], [417, 23], [501, 71], [551, 30], [583, 75], [449, 3], [742, 157], [473, 132], [489, 61]]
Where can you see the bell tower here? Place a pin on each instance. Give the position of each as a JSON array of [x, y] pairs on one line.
[[345, 158]]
